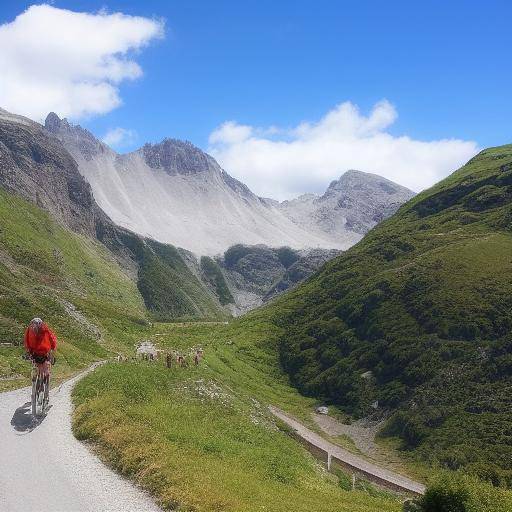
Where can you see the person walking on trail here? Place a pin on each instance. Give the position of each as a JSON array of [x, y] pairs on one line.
[[40, 342]]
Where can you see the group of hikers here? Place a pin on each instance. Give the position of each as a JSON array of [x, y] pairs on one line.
[[181, 360]]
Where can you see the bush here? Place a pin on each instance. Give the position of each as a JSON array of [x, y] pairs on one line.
[[453, 492]]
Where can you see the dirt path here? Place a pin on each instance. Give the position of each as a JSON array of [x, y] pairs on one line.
[[44, 468], [362, 432], [349, 460]]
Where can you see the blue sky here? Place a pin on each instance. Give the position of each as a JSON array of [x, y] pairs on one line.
[[444, 66]]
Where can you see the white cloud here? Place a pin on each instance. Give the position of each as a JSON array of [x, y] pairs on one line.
[[69, 62], [284, 163], [119, 137]]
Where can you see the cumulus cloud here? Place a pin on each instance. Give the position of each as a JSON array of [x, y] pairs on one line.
[[119, 137], [69, 62], [283, 163]]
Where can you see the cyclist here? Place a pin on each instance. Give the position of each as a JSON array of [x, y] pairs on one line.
[[40, 341]]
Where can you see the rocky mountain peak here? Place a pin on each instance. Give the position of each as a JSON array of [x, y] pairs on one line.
[[53, 122], [177, 157], [78, 140], [35, 165], [353, 180]]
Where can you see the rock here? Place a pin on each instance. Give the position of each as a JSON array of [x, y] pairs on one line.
[[353, 204], [258, 273], [322, 410], [177, 157], [189, 201], [36, 166]]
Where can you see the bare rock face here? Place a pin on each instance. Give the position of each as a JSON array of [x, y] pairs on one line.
[[177, 157], [355, 203], [34, 165], [74, 136], [175, 193]]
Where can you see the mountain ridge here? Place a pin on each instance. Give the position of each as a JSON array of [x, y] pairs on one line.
[[175, 193], [36, 166]]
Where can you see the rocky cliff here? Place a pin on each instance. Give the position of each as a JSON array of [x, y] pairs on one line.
[[355, 203], [175, 193]]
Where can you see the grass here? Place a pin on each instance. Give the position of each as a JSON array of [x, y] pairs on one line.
[[201, 438], [213, 275], [45, 270]]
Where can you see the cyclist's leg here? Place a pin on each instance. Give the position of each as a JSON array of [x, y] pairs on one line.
[[35, 383]]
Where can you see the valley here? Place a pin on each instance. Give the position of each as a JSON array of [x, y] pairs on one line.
[[410, 325], [255, 257], [205, 431]]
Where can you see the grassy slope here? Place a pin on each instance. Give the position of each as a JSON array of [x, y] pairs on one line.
[[213, 275], [169, 288], [201, 438], [424, 302], [43, 266]]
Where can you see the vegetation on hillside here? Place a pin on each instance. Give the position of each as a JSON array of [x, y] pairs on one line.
[[454, 492], [417, 317], [213, 275], [201, 438], [169, 288], [71, 281]]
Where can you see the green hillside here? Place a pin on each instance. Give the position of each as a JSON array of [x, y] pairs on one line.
[[212, 274], [417, 317], [169, 288], [75, 283], [201, 438], [47, 271]]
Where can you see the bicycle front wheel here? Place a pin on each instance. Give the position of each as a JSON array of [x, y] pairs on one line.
[[46, 395]]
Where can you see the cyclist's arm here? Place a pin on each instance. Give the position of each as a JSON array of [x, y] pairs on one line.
[[25, 342], [53, 340]]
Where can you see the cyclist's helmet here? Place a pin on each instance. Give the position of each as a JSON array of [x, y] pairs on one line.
[[36, 325]]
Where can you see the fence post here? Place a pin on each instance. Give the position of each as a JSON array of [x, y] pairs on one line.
[[353, 481], [328, 461]]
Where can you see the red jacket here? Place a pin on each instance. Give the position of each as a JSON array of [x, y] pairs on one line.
[[40, 344]]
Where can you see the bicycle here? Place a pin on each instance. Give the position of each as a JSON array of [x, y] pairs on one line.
[[40, 387]]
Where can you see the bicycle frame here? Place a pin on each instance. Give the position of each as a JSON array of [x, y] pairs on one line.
[[40, 390]]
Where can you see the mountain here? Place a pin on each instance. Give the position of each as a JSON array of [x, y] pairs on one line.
[[415, 322], [355, 203], [175, 193], [35, 166], [38, 168], [252, 275]]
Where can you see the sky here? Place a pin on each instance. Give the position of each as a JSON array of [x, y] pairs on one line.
[[286, 95]]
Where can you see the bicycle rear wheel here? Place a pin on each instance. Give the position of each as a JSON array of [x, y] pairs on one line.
[[34, 396]]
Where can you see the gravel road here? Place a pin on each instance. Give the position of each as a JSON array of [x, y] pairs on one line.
[[357, 464], [44, 468]]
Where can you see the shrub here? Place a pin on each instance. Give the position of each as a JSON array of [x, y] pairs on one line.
[[453, 492]]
